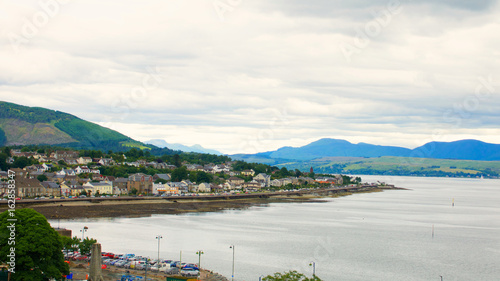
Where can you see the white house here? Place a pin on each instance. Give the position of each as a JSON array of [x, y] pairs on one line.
[[82, 170], [84, 160], [101, 187], [263, 179], [66, 172], [205, 187]]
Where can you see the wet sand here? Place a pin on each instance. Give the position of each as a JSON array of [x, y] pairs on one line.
[[140, 208], [85, 209]]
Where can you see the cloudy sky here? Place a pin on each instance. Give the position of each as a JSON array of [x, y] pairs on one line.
[[249, 76]]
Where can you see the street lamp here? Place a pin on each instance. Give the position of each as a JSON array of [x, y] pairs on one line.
[[158, 237], [232, 276], [260, 277], [313, 264], [83, 232], [199, 253]]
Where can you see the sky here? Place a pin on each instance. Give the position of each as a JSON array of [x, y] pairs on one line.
[[244, 76]]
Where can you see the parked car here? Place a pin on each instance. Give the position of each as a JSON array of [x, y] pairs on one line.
[[142, 266], [191, 265], [120, 263], [161, 267], [172, 271], [134, 264], [110, 255], [188, 271], [177, 264]]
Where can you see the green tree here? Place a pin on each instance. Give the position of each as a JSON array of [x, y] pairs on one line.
[[179, 174], [290, 276], [86, 245], [21, 162], [3, 162], [162, 181], [204, 177], [38, 247], [70, 244], [133, 191], [177, 160], [42, 178], [6, 150], [347, 180]]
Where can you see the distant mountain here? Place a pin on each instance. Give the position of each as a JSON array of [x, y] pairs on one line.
[[334, 148], [464, 149], [176, 146], [23, 125]]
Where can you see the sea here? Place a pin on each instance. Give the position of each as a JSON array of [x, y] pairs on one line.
[[438, 229]]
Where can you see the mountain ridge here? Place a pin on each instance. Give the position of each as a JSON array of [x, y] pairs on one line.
[[328, 147], [24, 125], [177, 146]]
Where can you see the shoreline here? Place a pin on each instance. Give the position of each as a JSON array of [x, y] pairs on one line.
[[91, 208]]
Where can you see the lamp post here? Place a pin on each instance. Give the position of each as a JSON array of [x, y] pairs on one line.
[[232, 276], [260, 277], [199, 253], [158, 237], [83, 232], [313, 264]]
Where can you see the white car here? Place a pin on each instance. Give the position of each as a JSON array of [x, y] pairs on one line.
[[190, 272], [161, 267]]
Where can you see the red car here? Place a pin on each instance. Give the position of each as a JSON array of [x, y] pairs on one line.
[[109, 255], [80, 258]]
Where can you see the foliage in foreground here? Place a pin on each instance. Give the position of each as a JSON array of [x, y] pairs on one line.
[[290, 276], [38, 246]]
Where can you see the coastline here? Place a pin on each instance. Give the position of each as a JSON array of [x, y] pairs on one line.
[[92, 208]]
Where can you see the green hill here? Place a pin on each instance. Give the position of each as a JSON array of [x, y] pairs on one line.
[[23, 125], [399, 166]]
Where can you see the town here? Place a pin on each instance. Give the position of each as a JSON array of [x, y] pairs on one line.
[[63, 174]]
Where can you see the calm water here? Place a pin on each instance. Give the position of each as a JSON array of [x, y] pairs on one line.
[[376, 236]]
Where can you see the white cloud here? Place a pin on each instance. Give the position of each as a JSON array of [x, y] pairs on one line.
[[271, 74]]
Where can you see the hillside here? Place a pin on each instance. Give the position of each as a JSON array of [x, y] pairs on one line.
[[23, 125], [463, 150], [335, 148], [399, 166]]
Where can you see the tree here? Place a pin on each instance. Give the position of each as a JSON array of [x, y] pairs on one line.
[[38, 247], [4, 166], [290, 276], [70, 244], [204, 177], [42, 178], [179, 174], [21, 162], [162, 181], [86, 245], [177, 160], [6, 150], [133, 191]]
